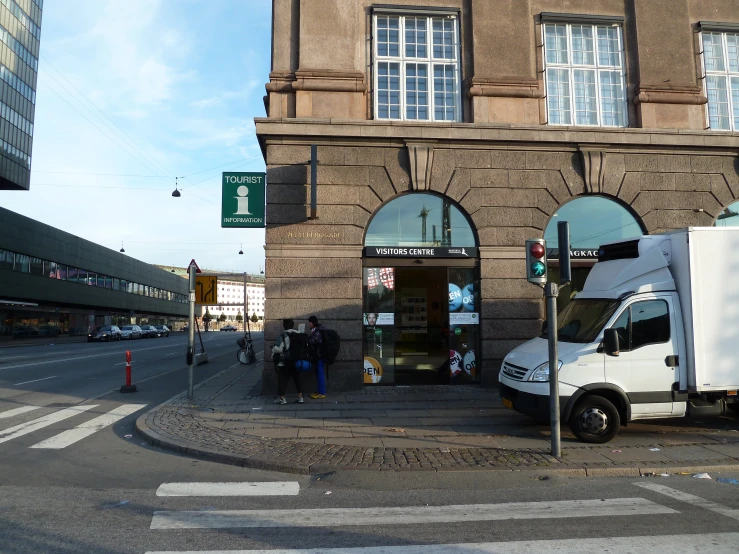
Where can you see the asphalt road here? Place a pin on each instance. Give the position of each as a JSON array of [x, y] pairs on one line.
[[99, 492]]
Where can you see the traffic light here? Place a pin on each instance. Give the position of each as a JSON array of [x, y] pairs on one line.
[[536, 261]]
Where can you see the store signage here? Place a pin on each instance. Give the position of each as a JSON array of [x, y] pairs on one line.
[[464, 318], [419, 252], [371, 319], [553, 254], [242, 201]]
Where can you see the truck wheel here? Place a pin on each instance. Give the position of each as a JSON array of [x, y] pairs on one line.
[[595, 420]]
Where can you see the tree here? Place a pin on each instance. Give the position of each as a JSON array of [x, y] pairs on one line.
[[239, 317], [254, 318], [207, 316], [222, 317]]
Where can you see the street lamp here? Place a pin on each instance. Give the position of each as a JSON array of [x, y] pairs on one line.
[[241, 250], [176, 192], [122, 250]]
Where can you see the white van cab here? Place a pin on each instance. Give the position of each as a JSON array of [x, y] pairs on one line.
[[653, 334]]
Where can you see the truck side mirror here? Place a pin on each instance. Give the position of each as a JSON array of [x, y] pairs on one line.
[[610, 342]]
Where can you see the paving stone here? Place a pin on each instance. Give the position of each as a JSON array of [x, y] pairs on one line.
[[438, 431], [347, 422], [468, 442], [396, 421], [323, 433], [373, 442], [408, 413], [363, 413], [583, 455], [631, 454], [428, 442], [731, 450], [692, 454], [289, 433], [299, 422], [376, 432]]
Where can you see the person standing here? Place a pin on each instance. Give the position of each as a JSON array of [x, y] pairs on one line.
[[316, 342], [285, 367]]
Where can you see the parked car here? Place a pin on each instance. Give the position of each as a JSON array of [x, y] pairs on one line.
[[149, 332], [229, 328], [186, 328], [163, 330], [106, 333], [131, 332], [24, 331]]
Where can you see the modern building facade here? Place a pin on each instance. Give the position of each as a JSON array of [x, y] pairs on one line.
[[450, 131], [53, 283], [20, 31]]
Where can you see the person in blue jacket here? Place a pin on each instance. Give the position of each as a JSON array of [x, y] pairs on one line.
[[316, 341]]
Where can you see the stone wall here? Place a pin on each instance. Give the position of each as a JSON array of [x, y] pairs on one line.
[[510, 182]]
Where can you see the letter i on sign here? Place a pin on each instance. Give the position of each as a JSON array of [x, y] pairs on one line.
[[243, 201]]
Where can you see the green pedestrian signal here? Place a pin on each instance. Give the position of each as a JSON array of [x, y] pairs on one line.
[[536, 261]]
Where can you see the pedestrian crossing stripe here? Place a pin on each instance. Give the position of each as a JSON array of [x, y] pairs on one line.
[[267, 488], [720, 543], [71, 436], [17, 411], [40, 423], [331, 517]]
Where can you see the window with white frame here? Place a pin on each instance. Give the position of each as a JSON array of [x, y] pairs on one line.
[[417, 68], [585, 76], [721, 63]]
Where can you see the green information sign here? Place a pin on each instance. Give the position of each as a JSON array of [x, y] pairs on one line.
[[243, 200]]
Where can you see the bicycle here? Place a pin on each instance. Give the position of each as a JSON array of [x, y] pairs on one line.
[[246, 354]]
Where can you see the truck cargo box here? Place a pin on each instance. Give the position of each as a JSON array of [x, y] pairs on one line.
[[705, 267]]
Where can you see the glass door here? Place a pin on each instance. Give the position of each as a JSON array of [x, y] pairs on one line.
[[464, 325], [379, 325]]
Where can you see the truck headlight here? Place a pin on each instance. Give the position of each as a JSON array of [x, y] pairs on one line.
[[541, 373]]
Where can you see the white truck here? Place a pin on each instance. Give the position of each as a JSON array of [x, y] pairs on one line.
[[653, 334]]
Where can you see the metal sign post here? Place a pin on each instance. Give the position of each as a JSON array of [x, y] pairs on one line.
[[191, 332], [551, 292]]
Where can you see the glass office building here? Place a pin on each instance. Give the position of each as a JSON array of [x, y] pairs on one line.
[[20, 31]]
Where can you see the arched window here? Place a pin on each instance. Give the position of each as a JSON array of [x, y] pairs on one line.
[[594, 220], [420, 219], [729, 217]]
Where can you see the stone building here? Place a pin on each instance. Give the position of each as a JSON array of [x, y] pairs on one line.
[[450, 131]]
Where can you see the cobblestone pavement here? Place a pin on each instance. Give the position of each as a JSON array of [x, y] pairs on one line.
[[414, 428]]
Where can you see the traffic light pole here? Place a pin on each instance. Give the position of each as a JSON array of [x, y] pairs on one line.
[[551, 291]]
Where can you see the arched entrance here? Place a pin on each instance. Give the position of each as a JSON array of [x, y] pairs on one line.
[[594, 220], [420, 298]]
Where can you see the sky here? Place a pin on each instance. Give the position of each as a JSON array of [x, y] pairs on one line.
[[133, 93]]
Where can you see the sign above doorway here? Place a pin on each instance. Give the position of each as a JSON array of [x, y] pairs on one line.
[[419, 252]]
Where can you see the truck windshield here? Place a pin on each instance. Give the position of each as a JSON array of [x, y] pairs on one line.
[[582, 320]]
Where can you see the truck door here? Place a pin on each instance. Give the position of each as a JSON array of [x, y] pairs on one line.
[[648, 342]]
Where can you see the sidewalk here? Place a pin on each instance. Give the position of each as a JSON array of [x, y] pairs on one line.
[[42, 341], [415, 428]]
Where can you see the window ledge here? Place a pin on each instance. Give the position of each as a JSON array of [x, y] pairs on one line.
[[551, 17]]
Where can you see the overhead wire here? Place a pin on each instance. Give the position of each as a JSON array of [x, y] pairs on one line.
[[132, 141]]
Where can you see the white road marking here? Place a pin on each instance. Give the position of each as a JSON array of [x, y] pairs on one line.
[[691, 499], [121, 353], [331, 517], [34, 381], [71, 436], [40, 423], [282, 488], [18, 411], [720, 543]]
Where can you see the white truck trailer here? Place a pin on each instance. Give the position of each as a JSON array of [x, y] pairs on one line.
[[653, 334]]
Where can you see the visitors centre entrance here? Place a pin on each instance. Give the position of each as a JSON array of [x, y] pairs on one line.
[[421, 298]]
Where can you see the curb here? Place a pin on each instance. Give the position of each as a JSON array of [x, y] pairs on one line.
[[266, 464]]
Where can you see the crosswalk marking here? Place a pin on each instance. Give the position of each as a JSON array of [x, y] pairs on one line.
[[40, 423], [278, 488], [691, 499], [329, 517], [720, 543], [17, 411], [64, 439]]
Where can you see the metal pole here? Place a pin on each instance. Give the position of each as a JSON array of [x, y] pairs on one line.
[[246, 304], [313, 180], [551, 291], [191, 334]]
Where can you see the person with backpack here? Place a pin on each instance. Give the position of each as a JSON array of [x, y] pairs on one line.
[[316, 342], [284, 352]]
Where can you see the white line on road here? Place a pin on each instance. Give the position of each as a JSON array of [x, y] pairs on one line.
[[64, 439], [40, 423], [34, 381], [691, 499], [281, 488], [121, 353], [720, 543], [18, 411], [331, 517]]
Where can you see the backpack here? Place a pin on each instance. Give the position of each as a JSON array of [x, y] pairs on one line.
[[299, 348], [331, 345]]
